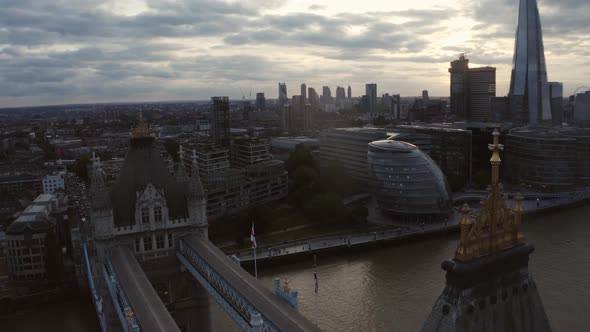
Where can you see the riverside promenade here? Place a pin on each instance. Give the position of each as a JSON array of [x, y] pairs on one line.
[[531, 204]]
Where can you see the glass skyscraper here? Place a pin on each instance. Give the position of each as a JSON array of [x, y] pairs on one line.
[[529, 91]]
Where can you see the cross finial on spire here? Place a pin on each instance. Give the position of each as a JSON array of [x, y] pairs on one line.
[[497, 227], [142, 129]]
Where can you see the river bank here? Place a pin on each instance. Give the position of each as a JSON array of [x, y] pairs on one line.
[[304, 248]]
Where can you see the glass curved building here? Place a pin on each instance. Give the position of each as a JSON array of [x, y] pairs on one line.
[[405, 181]]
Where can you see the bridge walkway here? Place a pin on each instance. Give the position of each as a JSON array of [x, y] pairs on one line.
[[271, 307], [143, 299]]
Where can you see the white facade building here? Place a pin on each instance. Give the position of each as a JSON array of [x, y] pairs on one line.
[[53, 182]]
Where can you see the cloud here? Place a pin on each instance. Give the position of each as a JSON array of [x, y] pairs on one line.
[[77, 50], [316, 7]]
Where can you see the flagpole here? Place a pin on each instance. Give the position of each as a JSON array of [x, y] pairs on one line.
[[315, 276], [255, 267], [254, 245]]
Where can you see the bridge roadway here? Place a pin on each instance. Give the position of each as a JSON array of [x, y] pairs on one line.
[[270, 306], [143, 299]]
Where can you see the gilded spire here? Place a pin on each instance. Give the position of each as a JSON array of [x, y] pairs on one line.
[[497, 227], [142, 129]]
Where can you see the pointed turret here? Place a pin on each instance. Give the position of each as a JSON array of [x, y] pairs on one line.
[[197, 202], [488, 284], [101, 213], [98, 189], [181, 176]]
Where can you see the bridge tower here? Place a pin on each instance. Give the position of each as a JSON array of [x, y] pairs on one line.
[[147, 211], [489, 287]]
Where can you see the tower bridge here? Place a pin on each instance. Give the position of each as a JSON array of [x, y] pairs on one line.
[[148, 260]]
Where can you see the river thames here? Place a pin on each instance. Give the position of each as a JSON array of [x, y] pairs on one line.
[[394, 288]]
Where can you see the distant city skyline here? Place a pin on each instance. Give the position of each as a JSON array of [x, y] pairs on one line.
[[120, 51]]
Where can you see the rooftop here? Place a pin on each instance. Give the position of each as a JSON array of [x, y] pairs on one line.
[[393, 145], [559, 133]]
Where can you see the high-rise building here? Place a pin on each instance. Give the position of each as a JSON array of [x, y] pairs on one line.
[[340, 93], [556, 92], [529, 90], [314, 99], [425, 98], [303, 93], [459, 84], [472, 90], [283, 99], [326, 95], [371, 92], [220, 121], [296, 103], [260, 101], [582, 108], [349, 92], [482, 89]]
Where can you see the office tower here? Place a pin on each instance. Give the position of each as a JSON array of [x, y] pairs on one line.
[[472, 91], [340, 93], [387, 102], [349, 92], [296, 103], [283, 99], [314, 99], [482, 89], [529, 91], [326, 95], [220, 121], [396, 109], [556, 93], [425, 98], [260, 101], [371, 92], [582, 108], [303, 93], [246, 110], [459, 77]]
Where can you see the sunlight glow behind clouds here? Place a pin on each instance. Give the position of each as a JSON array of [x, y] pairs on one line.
[[79, 51]]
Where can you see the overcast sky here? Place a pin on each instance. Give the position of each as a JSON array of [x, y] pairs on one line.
[[78, 51]]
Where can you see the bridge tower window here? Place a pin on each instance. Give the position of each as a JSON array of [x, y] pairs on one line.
[[170, 240], [158, 214], [145, 215], [160, 241], [147, 244]]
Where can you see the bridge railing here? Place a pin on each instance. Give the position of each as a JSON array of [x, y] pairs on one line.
[[236, 305], [96, 297], [124, 310]]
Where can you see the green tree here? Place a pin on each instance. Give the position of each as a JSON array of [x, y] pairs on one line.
[[359, 123], [81, 167], [380, 121], [261, 215], [303, 184], [325, 209], [302, 156], [334, 178], [172, 147]]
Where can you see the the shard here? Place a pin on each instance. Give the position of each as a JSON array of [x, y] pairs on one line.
[[530, 102]]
